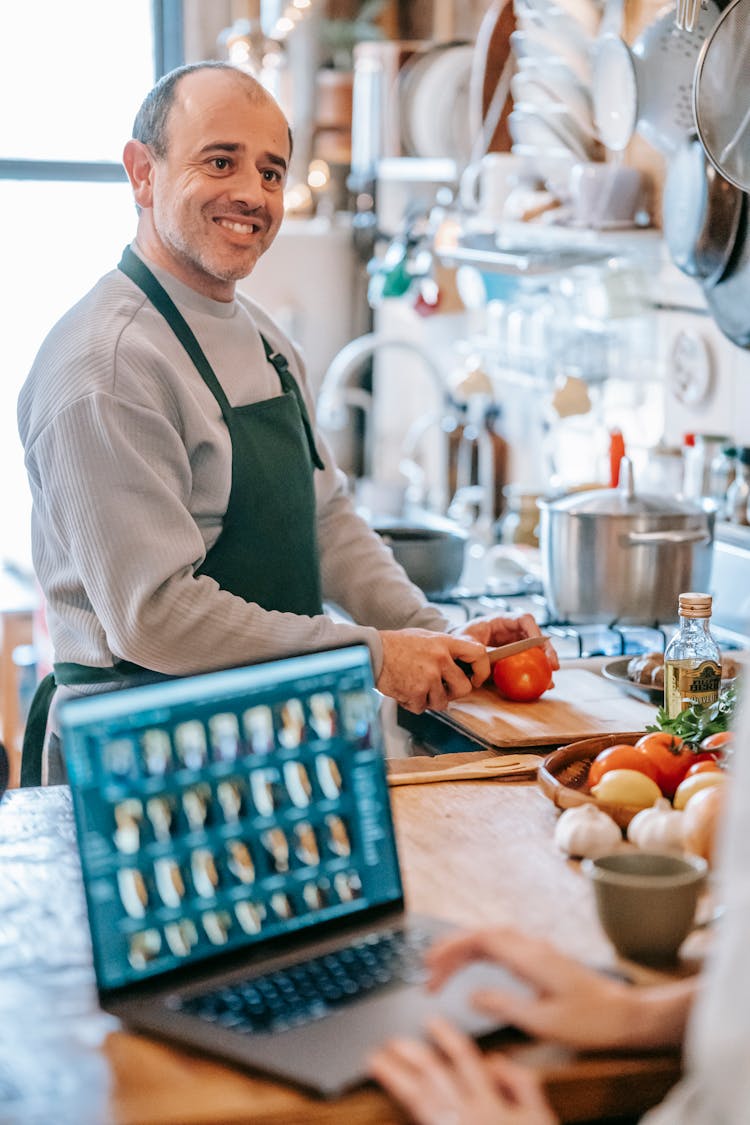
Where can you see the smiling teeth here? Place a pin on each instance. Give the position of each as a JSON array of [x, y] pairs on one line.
[[238, 228]]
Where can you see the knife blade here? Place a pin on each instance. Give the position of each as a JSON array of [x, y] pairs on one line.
[[502, 651]]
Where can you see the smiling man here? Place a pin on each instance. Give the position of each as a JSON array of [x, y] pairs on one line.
[[186, 514]]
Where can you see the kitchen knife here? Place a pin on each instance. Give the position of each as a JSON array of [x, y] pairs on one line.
[[502, 651]]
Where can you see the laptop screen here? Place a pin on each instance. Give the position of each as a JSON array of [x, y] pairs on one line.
[[220, 811]]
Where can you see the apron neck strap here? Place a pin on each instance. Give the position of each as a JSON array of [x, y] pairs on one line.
[[138, 272], [132, 266]]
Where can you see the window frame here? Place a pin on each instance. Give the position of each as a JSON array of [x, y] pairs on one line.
[[169, 51]]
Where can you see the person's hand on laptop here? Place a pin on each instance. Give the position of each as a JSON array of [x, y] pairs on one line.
[[568, 1002], [447, 1082]]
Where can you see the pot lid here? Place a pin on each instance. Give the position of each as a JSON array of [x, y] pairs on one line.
[[623, 501]]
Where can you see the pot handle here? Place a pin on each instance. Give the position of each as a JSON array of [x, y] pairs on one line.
[[656, 538]]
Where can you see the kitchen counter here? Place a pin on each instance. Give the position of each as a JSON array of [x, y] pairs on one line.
[[473, 852]]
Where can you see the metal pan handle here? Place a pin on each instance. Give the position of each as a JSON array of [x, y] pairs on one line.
[[656, 538]]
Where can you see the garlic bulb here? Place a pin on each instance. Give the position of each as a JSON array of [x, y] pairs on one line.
[[587, 831], [657, 829]]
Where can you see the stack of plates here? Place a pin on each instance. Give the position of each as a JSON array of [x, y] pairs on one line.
[[434, 103], [552, 123]]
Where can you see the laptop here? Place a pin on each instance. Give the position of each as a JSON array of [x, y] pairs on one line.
[[239, 861]]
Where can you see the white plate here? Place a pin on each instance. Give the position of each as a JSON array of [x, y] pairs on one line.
[[534, 127], [531, 88], [563, 125], [439, 104], [540, 44], [615, 92]]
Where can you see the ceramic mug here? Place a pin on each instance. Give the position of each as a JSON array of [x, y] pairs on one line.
[[604, 194], [647, 901], [487, 183]]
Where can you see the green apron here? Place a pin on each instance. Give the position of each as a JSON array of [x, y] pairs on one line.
[[267, 550]]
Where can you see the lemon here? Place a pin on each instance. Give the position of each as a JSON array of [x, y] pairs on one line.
[[692, 785], [627, 787]]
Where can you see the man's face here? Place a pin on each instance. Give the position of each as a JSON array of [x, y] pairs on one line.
[[218, 197]]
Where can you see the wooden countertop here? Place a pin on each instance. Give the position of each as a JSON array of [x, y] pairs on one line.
[[476, 852]]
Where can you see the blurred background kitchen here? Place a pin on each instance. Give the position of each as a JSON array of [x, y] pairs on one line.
[[515, 251]]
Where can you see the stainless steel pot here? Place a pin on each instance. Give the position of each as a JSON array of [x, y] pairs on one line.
[[611, 556], [432, 554]]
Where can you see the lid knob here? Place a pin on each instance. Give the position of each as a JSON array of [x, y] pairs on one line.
[[626, 485]]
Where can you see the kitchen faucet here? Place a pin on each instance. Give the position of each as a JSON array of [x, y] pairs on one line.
[[336, 395]]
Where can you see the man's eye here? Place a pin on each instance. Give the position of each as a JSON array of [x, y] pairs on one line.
[[272, 176], [220, 163]]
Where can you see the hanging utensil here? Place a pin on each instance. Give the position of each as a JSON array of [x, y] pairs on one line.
[[700, 214], [647, 87], [720, 95], [728, 299]]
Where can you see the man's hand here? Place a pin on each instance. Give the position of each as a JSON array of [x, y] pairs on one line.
[[495, 631], [420, 670]]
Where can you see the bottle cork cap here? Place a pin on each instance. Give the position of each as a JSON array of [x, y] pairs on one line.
[[695, 605]]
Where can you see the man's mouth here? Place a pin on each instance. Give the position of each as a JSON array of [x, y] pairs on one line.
[[249, 226]]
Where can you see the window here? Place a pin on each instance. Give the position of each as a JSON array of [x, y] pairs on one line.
[[71, 78]]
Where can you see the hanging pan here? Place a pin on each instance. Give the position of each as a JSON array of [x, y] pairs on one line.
[[700, 214], [728, 298], [721, 94]]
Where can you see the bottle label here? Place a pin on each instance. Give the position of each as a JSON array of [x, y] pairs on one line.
[[686, 683]]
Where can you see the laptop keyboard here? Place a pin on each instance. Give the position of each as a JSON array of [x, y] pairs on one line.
[[310, 990]]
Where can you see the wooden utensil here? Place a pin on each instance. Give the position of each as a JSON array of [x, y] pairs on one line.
[[490, 103], [471, 767]]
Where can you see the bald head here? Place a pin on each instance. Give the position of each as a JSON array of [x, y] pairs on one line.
[[151, 121]]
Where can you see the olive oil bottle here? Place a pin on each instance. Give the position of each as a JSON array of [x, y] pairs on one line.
[[692, 661]]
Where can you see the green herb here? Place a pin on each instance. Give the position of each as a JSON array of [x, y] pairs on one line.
[[697, 722]]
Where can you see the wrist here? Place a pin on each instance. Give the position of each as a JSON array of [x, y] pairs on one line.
[[658, 1015]]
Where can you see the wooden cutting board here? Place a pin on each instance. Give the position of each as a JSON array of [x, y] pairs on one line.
[[580, 705]]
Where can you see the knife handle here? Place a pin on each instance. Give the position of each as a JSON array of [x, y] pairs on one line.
[[466, 668]]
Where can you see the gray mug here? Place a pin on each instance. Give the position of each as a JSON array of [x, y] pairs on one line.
[[647, 901]]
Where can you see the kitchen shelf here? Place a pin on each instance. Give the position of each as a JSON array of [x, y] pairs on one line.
[[528, 252]]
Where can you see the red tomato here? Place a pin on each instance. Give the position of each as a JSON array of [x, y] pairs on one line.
[[670, 755], [705, 765], [707, 756], [524, 676], [718, 741], [621, 757]]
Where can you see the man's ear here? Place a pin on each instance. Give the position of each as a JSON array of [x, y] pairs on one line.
[[139, 165]]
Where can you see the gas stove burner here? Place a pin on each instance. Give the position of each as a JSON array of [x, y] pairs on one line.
[[607, 640]]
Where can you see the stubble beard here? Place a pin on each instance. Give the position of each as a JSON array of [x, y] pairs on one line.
[[194, 251]]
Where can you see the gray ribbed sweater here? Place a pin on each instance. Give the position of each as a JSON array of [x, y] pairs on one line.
[[129, 463]]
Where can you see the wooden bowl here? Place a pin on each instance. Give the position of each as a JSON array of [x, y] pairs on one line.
[[562, 776]]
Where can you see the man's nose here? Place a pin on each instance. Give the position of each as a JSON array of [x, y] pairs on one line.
[[247, 187]]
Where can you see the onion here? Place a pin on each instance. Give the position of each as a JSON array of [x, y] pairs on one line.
[[700, 822]]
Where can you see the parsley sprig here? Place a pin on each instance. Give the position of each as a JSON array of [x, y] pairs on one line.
[[697, 722]]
